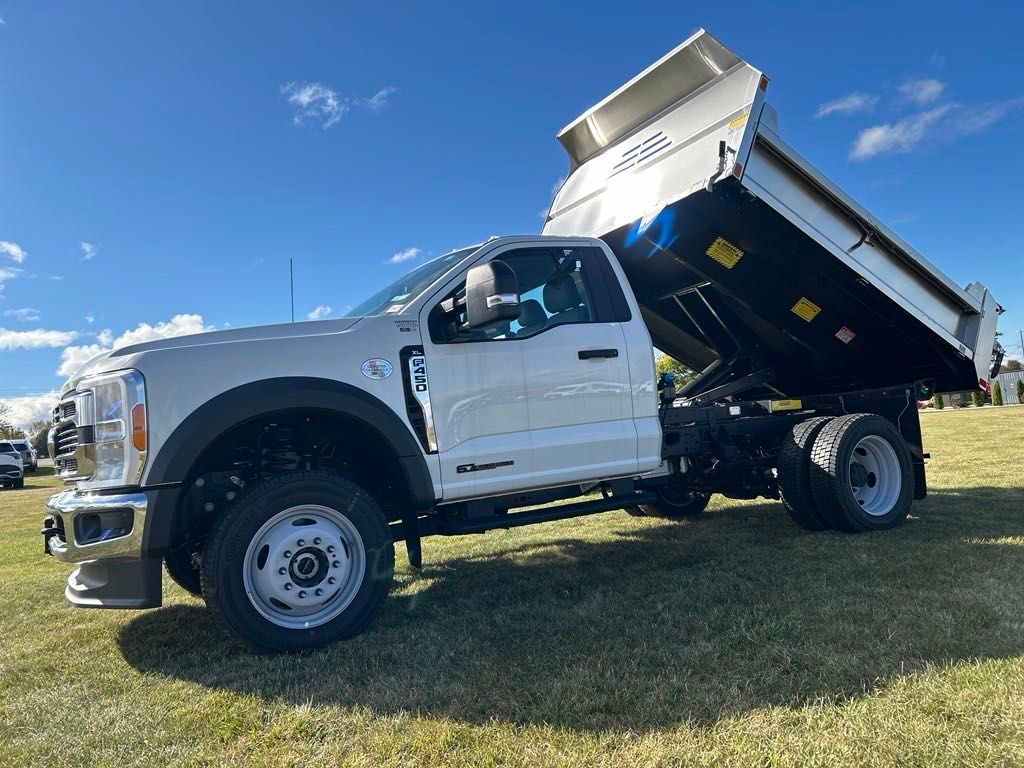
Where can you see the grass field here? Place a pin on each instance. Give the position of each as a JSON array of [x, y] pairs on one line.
[[609, 640]]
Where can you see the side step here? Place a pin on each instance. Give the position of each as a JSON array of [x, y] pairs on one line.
[[433, 525]]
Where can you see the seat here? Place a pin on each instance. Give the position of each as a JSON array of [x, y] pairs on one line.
[[532, 318], [562, 299]]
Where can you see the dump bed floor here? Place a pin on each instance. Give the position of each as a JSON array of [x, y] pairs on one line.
[[721, 275]]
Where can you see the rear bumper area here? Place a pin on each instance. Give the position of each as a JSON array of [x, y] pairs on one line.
[[103, 533]]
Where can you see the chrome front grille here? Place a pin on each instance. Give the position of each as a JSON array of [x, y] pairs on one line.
[[65, 439], [71, 453]]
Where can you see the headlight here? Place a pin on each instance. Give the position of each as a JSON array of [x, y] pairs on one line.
[[119, 427]]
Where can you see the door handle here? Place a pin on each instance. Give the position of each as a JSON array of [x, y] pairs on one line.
[[590, 354]]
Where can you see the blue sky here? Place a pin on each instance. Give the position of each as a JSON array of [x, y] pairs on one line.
[[159, 163]]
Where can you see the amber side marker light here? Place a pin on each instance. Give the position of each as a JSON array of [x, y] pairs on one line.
[[139, 427]]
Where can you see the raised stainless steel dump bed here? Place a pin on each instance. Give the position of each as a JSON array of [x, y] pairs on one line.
[[743, 256]]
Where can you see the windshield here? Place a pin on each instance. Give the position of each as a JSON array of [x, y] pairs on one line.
[[394, 298], [7, 448]]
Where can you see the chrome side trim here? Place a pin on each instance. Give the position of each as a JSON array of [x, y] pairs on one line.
[[70, 504], [503, 300], [421, 392]]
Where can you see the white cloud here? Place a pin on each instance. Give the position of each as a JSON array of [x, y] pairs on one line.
[[974, 119], [944, 123], [315, 101], [319, 312], [318, 102], [90, 318], [900, 137], [7, 273], [12, 251], [24, 314], [38, 338], [88, 251], [923, 91], [379, 100], [407, 254], [74, 357], [850, 104], [30, 408]]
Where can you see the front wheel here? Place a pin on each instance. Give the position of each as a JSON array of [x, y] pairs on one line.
[[298, 561]]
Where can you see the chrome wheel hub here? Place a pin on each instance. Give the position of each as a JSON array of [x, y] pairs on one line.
[[304, 566]]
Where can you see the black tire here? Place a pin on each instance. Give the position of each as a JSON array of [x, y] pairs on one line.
[[674, 504], [225, 548], [19, 483], [183, 571], [833, 483], [794, 465]]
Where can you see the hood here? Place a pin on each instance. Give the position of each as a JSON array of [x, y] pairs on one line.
[[115, 359]]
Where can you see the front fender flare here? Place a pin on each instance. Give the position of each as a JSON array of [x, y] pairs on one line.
[[217, 416]]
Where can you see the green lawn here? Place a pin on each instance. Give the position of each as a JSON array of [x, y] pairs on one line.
[[610, 640]]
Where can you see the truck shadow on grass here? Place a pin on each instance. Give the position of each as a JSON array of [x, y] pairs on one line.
[[647, 624]]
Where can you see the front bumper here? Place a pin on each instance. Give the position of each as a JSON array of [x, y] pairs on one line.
[[72, 536], [113, 570]]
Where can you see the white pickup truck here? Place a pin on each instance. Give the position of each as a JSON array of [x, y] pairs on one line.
[[273, 469]]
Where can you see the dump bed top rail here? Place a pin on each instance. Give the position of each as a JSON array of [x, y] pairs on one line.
[[682, 172]]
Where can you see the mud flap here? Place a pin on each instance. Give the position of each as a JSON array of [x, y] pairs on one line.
[[115, 584]]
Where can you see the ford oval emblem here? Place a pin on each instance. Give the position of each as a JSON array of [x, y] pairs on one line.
[[377, 368]]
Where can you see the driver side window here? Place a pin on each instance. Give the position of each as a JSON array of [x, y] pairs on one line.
[[553, 290]]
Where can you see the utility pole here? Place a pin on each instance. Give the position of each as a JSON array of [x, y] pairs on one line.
[[291, 285]]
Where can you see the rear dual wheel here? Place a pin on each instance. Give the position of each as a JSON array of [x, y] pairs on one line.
[[850, 473]]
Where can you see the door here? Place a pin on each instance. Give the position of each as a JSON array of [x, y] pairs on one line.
[[542, 401]]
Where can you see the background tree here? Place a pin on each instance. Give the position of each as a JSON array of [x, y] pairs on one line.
[[977, 398], [666, 364], [37, 434], [7, 430], [1011, 365], [997, 394], [938, 403], [1020, 391]]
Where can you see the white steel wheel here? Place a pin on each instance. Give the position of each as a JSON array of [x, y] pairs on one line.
[[876, 477], [861, 475], [304, 566]]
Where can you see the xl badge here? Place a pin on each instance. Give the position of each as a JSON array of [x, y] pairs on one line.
[[377, 368]]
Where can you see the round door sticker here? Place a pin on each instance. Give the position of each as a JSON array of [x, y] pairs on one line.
[[377, 368]]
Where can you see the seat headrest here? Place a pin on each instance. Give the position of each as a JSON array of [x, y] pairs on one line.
[[532, 314], [561, 294]]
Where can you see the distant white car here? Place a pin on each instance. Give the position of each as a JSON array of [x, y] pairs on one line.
[[29, 460], [11, 472]]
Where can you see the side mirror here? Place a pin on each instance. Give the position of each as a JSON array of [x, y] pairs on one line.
[[492, 294]]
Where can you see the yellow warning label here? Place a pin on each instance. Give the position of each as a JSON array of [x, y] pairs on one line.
[[786, 405], [725, 253], [738, 121], [806, 309]]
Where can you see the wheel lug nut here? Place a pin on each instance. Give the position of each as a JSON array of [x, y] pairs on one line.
[[330, 550], [282, 571], [319, 592], [287, 587], [302, 593], [287, 554], [317, 541], [336, 564], [331, 580], [301, 542]]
